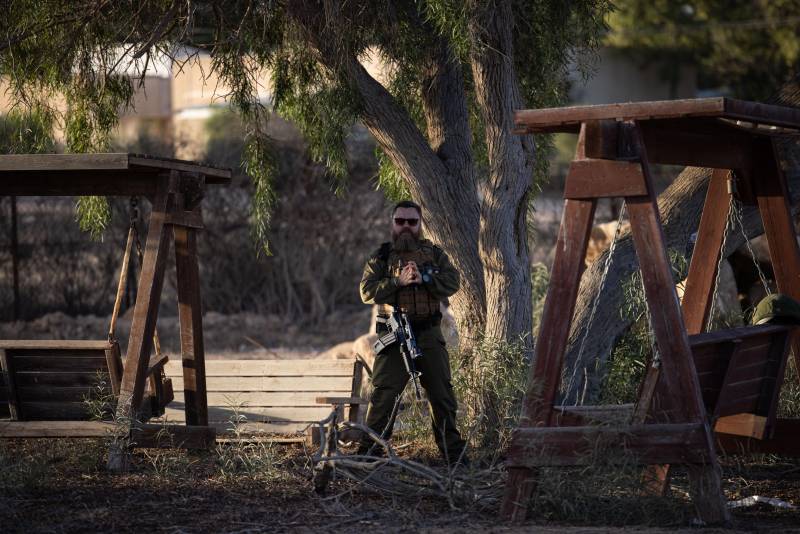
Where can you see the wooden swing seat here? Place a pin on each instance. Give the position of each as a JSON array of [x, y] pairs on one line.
[[50, 380]]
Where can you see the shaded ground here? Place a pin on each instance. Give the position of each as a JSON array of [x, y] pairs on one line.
[[62, 486]]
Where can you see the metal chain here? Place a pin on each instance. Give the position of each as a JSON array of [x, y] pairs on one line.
[[596, 301], [737, 211], [729, 221]]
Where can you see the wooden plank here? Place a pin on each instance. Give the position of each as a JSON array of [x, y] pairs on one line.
[[189, 219], [55, 429], [731, 334], [573, 237], [301, 368], [55, 344], [7, 367], [261, 398], [66, 379], [90, 364], [545, 373], [54, 410], [742, 424], [254, 414], [599, 178], [646, 444], [173, 436], [50, 393], [699, 290], [21, 163], [341, 400], [237, 384], [616, 414], [734, 405], [254, 429], [190, 313], [568, 119]]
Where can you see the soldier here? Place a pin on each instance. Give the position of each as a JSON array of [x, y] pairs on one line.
[[412, 275]]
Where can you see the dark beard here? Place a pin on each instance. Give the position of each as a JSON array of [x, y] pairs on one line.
[[405, 242]]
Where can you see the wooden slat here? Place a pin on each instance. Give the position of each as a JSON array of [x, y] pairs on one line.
[[254, 429], [618, 414], [65, 379], [341, 400], [270, 383], [55, 429], [310, 367], [736, 405], [730, 334], [54, 344], [647, 444], [50, 393], [46, 410], [173, 436], [743, 424], [700, 143], [265, 398], [49, 364], [598, 178], [255, 414]]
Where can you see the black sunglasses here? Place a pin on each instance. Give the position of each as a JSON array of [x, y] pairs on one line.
[[400, 221]]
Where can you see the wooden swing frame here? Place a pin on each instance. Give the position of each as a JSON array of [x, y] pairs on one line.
[[175, 189], [617, 144]]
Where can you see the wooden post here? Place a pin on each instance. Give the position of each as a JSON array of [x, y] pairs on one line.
[[545, 374], [13, 398], [15, 258], [678, 374], [145, 314], [697, 298], [191, 318], [772, 195]]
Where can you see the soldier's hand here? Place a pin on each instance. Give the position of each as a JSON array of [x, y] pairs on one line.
[[415, 271], [406, 277]]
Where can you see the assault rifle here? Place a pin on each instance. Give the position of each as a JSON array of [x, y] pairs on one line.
[[400, 332]]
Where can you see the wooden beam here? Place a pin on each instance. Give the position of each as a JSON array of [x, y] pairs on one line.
[[699, 143], [645, 444], [115, 370], [600, 178], [191, 321], [545, 374], [785, 440], [772, 194], [173, 436], [568, 119], [48, 344], [55, 429], [678, 373]]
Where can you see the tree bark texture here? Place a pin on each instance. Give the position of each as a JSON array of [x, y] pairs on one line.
[[680, 207], [503, 239]]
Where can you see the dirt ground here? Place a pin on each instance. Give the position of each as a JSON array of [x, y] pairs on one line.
[[62, 486]]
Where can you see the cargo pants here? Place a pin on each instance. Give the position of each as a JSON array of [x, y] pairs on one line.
[[389, 378]]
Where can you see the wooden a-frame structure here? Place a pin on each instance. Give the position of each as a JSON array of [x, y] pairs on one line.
[[175, 189], [671, 423]]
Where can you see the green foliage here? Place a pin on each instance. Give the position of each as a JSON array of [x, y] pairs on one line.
[[27, 132], [86, 52], [747, 49], [93, 215], [632, 352]]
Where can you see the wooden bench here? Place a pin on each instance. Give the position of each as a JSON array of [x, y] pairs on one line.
[[740, 371], [51, 380], [271, 396]]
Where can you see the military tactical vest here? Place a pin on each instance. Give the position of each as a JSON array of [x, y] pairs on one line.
[[415, 299]]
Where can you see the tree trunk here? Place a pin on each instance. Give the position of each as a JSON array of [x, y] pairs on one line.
[[680, 206], [503, 238]]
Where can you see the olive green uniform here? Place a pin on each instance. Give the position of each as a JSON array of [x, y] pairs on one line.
[[389, 376]]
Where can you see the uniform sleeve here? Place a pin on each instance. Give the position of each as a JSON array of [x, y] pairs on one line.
[[376, 287], [446, 282]]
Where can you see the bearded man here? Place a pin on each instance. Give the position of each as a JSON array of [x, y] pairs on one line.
[[412, 275]]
